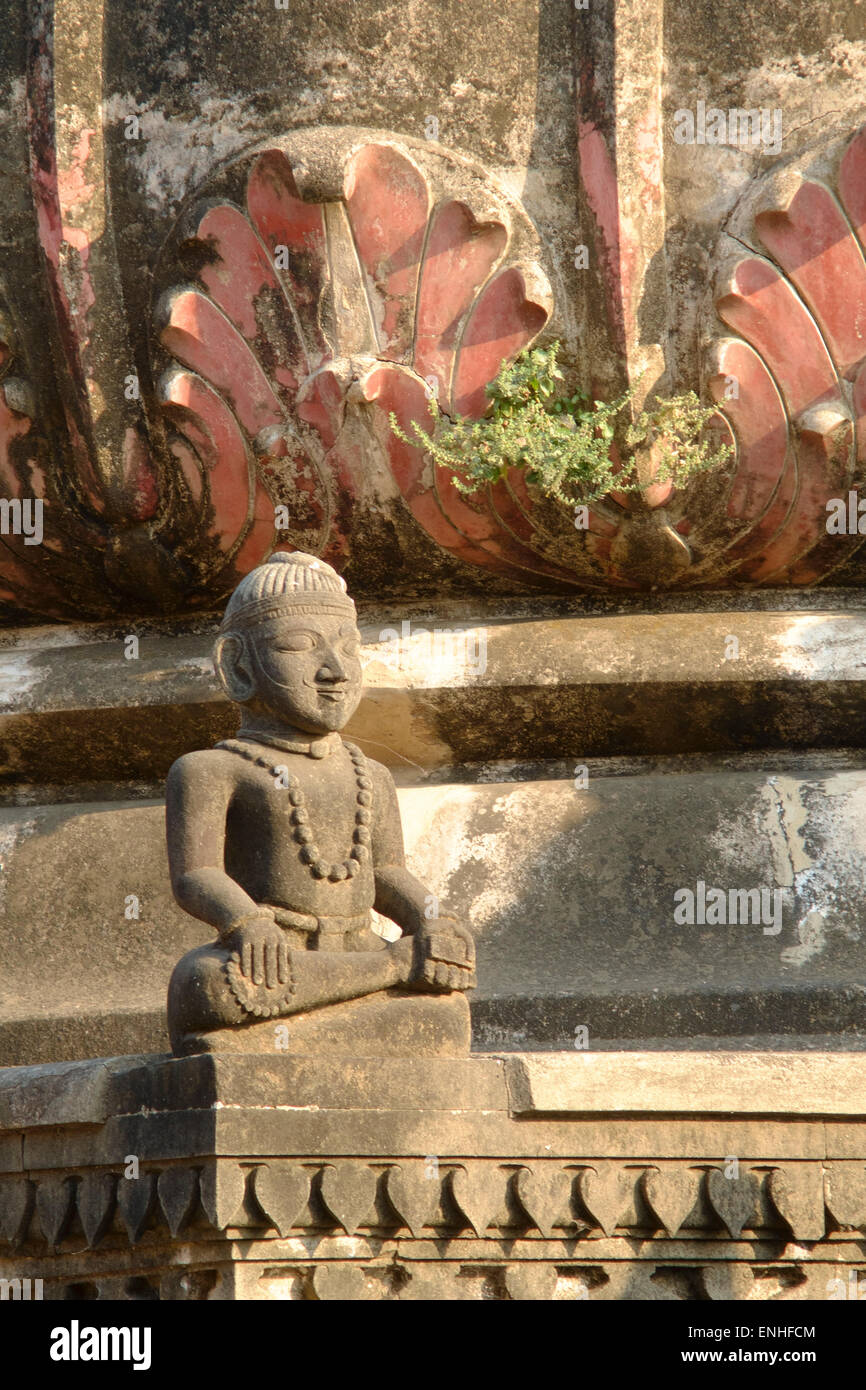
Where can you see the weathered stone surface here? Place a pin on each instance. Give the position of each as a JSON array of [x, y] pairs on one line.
[[798, 1195], [545, 1193], [671, 1195], [604, 1192], [282, 1191], [734, 1199]]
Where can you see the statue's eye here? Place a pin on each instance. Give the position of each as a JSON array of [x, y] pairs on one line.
[[351, 646], [298, 642]]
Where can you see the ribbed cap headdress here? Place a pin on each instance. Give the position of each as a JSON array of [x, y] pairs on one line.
[[287, 584]]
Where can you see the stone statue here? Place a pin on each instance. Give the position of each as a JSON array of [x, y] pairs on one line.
[[284, 837]]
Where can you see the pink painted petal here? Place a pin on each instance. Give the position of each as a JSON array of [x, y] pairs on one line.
[[388, 203], [852, 183], [765, 480], [204, 418], [241, 280], [500, 325], [458, 258], [755, 555], [812, 242], [282, 218], [259, 540], [201, 337], [760, 427], [616, 246], [762, 307], [238, 270], [798, 513]]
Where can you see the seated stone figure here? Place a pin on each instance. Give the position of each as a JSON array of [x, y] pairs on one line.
[[284, 837]]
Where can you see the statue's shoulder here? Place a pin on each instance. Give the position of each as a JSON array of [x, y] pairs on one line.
[[203, 764]]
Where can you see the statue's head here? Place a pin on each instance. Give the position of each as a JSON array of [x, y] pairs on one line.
[[289, 645]]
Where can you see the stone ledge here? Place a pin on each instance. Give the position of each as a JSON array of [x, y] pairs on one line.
[[402, 1194], [93, 1091], [550, 688], [681, 1083], [787, 1084]]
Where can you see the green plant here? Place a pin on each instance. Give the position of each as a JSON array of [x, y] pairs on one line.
[[563, 442]]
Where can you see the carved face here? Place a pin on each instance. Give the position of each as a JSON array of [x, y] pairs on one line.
[[307, 670]]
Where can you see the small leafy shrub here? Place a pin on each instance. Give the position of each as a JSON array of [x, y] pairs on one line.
[[563, 442]]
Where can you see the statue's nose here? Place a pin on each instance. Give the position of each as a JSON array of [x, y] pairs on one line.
[[332, 669]]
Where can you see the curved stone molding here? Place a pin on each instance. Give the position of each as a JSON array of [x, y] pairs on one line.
[[136, 1201], [797, 1193], [282, 1192], [96, 1200], [178, 1196], [845, 1194], [348, 1191], [605, 1191], [545, 1194], [671, 1194], [17, 1203]]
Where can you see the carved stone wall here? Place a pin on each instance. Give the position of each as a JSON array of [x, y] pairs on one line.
[[243, 1178]]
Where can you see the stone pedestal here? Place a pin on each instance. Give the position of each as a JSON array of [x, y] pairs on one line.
[[611, 1176]]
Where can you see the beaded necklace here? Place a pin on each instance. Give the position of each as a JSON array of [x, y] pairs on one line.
[[310, 854]]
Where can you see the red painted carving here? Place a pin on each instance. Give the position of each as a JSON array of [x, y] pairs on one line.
[[431, 305], [289, 331], [799, 306], [791, 386]]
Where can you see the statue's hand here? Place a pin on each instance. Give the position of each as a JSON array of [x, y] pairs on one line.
[[263, 955], [444, 956]]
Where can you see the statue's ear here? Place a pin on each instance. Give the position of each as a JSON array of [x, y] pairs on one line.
[[232, 661]]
